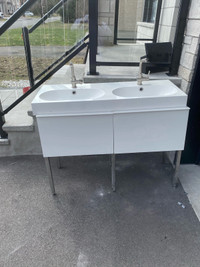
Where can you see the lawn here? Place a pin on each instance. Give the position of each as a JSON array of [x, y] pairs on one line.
[[53, 33]]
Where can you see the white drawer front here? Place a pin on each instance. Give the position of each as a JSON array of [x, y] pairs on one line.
[[150, 131]]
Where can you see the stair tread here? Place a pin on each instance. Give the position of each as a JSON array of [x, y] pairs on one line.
[[18, 119], [4, 142]]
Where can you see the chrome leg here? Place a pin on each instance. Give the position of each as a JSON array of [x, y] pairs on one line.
[[49, 172], [163, 158], [59, 163], [113, 171], [177, 165]]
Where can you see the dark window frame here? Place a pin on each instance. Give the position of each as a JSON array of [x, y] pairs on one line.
[[148, 11]]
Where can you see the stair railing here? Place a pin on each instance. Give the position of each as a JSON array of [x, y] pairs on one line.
[[48, 72]]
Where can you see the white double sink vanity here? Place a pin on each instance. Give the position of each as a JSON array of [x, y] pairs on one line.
[[111, 118]]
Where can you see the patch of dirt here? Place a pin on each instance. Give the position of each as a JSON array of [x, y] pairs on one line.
[[15, 68]]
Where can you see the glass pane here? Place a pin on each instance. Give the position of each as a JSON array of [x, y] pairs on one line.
[[13, 70], [132, 17], [132, 31], [59, 33], [48, 42]]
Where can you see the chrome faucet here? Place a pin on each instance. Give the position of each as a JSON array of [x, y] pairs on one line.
[[141, 76], [74, 81]]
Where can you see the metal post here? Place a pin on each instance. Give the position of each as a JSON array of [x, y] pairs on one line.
[[50, 176], [28, 55], [93, 32], [163, 157], [179, 36], [59, 166], [3, 135], [113, 172], [155, 33], [116, 21], [177, 165]]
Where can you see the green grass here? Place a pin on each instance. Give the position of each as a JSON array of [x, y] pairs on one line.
[[54, 34]]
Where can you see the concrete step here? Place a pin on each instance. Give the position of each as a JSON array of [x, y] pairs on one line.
[[4, 142], [23, 138], [108, 74]]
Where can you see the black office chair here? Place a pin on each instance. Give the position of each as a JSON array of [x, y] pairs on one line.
[[158, 57]]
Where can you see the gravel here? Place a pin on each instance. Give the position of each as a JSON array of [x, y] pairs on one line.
[[11, 84]]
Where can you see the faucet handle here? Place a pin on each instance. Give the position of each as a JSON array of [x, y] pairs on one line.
[[146, 76]]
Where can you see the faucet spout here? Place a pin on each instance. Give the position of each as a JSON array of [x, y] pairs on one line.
[[141, 76], [74, 81]]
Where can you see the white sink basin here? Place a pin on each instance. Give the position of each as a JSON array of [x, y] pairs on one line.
[[71, 94], [107, 97], [144, 91]]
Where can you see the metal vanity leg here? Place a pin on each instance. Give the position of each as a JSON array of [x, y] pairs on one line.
[[113, 171], [163, 158], [177, 165], [59, 163], [49, 171]]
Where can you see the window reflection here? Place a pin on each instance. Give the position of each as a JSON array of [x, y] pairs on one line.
[[150, 11]]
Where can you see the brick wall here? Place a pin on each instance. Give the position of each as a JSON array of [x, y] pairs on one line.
[[190, 46], [168, 20]]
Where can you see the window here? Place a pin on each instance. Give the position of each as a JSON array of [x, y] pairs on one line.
[[150, 11]]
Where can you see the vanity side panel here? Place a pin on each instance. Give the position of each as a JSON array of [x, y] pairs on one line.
[[76, 135], [150, 131]]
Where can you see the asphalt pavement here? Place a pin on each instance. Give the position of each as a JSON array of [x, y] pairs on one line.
[[142, 224]]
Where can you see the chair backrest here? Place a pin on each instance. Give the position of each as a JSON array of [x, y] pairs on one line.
[[159, 53]]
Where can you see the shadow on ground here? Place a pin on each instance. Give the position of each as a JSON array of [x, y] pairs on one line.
[[86, 224]]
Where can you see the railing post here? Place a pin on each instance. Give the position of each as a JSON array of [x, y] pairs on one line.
[[156, 26], [116, 21], [3, 135], [28, 55], [93, 32]]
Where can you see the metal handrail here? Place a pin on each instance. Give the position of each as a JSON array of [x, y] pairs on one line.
[[63, 56], [16, 15], [27, 49], [36, 85], [47, 15]]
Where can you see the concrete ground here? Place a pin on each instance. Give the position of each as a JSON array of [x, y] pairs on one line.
[[122, 53], [86, 224], [189, 175]]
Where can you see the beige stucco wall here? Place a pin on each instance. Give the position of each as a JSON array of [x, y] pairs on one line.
[[130, 11]]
